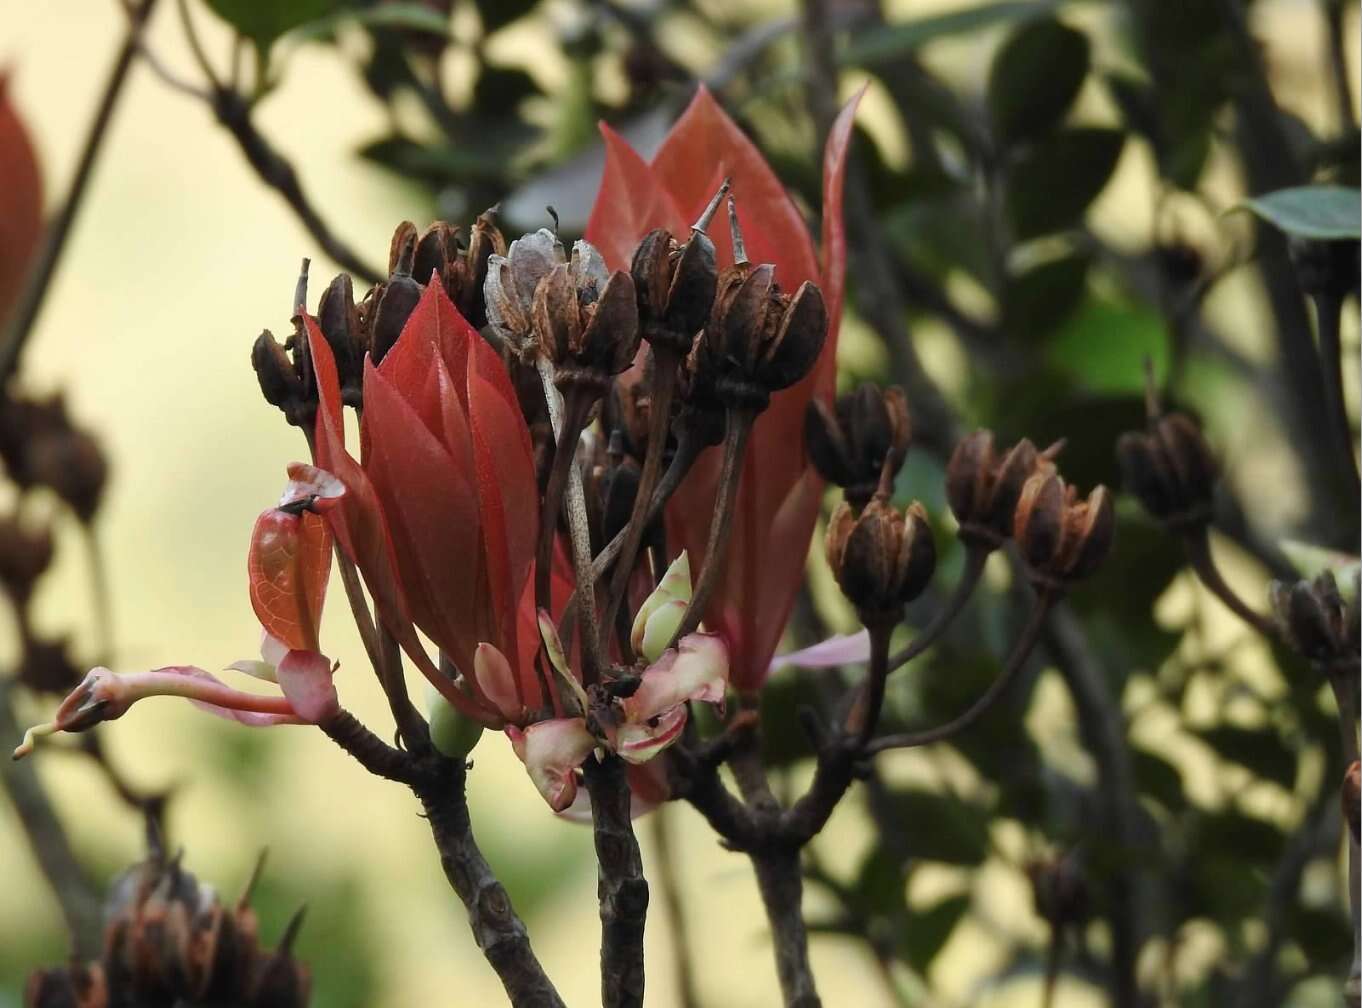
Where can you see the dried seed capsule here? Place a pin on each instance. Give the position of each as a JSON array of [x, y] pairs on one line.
[[394, 301], [1062, 537], [1314, 618], [676, 284], [1059, 890], [47, 667], [586, 320], [280, 382], [883, 558], [25, 554], [73, 465], [1171, 469], [864, 436], [1326, 268], [511, 284], [338, 318], [983, 487]]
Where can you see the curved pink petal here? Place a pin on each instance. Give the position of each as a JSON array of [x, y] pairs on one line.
[[842, 649], [494, 678], [306, 679], [552, 751]]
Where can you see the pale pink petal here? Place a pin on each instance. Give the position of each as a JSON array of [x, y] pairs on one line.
[[696, 669], [495, 679], [319, 488], [272, 649], [640, 741], [648, 788], [843, 649], [552, 751], [305, 678]]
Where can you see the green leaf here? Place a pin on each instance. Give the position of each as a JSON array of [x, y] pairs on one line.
[[1038, 300], [263, 22], [1051, 184], [886, 44], [1325, 212], [408, 16], [1104, 345], [1035, 78], [930, 929], [939, 828], [1257, 749]]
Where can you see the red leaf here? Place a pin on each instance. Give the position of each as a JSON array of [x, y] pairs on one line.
[[435, 330], [834, 234], [629, 204], [702, 148], [288, 564], [21, 203], [431, 508]]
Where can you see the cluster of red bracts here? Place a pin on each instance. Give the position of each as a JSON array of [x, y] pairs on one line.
[[439, 511]]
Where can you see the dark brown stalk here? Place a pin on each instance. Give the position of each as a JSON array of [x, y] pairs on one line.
[[40, 279], [47, 839], [1339, 45], [621, 888], [1016, 661], [782, 893], [664, 385], [567, 434], [439, 785], [669, 887], [411, 726], [976, 557], [1197, 543], [865, 709], [233, 112], [1328, 315], [721, 526]]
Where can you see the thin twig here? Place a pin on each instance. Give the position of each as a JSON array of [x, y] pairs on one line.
[[670, 888], [40, 279], [1328, 317], [976, 557], [51, 849], [1197, 543], [1016, 661]]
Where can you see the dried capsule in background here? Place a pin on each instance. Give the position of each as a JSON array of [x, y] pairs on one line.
[[760, 340], [393, 302], [1314, 618], [25, 554], [73, 465], [1059, 890], [1171, 469], [883, 558], [338, 319], [983, 487], [858, 440], [1062, 537], [281, 381], [676, 284], [586, 320], [510, 286]]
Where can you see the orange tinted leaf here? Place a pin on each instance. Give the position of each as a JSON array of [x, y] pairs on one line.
[[21, 203], [288, 564]]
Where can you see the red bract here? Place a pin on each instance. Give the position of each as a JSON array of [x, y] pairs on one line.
[[21, 203], [440, 516], [778, 498]]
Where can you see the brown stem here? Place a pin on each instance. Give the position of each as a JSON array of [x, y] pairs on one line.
[[976, 557], [439, 785], [233, 111], [664, 385], [1328, 316], [1016, 661], [865, 709], [46, 837], [782, 892], [721, 526], [411, 725], [670, 888], [40, 279], [621, 888], [566, 435], [1197, 543], [1338, 44], [497, 928]]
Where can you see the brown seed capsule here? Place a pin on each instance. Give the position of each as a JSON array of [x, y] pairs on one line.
[[1171, 469], [1314, 618], [1326, 268], [511, 284], [46, 666], [25, 554], [1059, 890], [467, 274], [73, 465], [394, 301], [676, 284], [864, 437], [758, 339], [338, 318], [1062, 537], [882, 558], [983, 487], [586, 320], [281, 383], [80, 985]]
